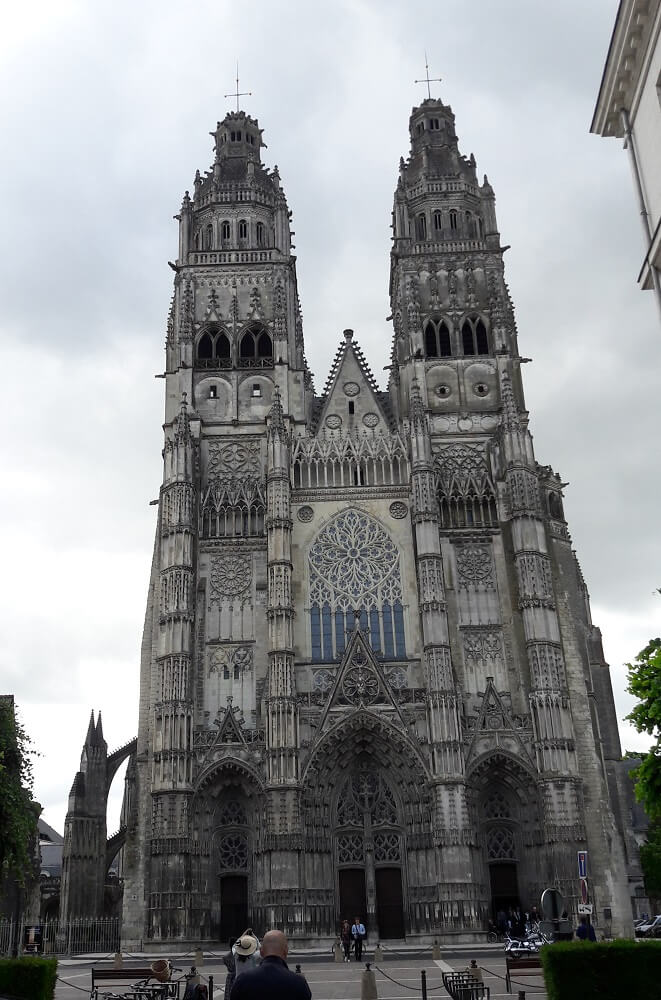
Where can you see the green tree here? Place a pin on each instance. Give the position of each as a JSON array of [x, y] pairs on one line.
[[18, 810], [650, 860]]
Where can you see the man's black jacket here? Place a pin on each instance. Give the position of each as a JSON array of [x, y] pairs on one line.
[[271, 980]]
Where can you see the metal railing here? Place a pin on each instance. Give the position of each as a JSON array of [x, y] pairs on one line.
[[83, 935]]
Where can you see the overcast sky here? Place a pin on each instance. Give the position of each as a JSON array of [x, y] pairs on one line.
[[106, 110]]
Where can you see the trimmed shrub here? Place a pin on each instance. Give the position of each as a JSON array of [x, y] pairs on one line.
[[608, 970], [29, 978]]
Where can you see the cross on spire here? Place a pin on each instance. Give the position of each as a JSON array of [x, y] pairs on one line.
[[237, 93], [427, 80]]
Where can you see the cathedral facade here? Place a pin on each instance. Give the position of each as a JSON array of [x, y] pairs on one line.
[[370, 683]]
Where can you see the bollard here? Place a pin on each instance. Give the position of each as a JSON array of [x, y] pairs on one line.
[[117, 961], [522, 995], [337, 952], [423, 984], [368, 984], [199, 958], [378, 954], [436, 952], [210, 987]]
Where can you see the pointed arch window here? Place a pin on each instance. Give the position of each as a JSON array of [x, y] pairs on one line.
[[256, 348], [208, 237], [453, 219], [466, 493], [243, 229], [437, 339], [225, 231], [213, 349], [354, 565], [259, 234], [474, 336], [438, 221], [421, 226]]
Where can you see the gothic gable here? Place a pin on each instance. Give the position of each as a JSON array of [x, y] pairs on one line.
[[351, 402], [360, 684], [495, 728]]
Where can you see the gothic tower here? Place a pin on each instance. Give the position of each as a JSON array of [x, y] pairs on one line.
[[369, 679]]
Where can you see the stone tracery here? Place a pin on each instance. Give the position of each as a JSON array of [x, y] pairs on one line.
[[354, 565]]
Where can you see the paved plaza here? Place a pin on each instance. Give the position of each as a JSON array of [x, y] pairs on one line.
[[331, 981]]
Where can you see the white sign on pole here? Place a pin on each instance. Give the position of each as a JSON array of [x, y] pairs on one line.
[[585, 908]]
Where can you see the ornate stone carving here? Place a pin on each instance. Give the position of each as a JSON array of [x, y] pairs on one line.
[[234, 458], [482, 644], [333, 422], [371, 419], [351, 388], [398, 509], [305, 513], [475, 566], [233, 851], [387, 847], [360, 685], [354, 563], [322, 680], [231, 575], [230, 660]]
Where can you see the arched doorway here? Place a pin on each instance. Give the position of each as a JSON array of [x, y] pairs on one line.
[[506, 803], [366, 797], [368, 847], [226, 814]]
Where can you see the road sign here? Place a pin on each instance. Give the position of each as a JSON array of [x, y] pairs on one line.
[[584, 890], [553, 903], [582, 864], [585, 908]]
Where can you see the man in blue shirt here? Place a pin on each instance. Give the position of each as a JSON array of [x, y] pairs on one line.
[[585, 930], [357, 933], [272, 978]]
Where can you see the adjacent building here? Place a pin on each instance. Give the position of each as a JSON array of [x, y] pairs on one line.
[[629, 107]]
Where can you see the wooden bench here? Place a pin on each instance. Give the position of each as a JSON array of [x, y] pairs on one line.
[[528, 966], [108, 975]]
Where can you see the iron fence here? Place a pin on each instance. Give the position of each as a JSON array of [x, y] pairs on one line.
[[64, 937]]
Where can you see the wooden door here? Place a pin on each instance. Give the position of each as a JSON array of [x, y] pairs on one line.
[[233, 906], [389, 903], [353, 901]]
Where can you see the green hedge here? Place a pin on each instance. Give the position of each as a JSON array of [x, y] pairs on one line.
[[609, 970], [29, 978]]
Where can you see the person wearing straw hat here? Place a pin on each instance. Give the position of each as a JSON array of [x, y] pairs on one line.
[[245, 953]]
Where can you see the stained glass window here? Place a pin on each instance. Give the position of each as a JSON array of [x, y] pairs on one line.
[[354, 566]]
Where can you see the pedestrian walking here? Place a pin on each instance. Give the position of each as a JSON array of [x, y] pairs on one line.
[[272, 978], [345, 939], [230, 964], [358, 934]]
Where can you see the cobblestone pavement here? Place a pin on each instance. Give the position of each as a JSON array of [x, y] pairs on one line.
[[330, 981]]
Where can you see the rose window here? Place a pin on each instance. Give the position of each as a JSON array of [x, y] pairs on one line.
[[360, 686], [354, 569]]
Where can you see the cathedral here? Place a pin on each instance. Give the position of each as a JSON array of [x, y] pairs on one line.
[[370, 683]]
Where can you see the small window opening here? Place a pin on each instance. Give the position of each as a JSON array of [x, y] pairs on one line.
[[225, 230], [351, 406], [421, 227], [243, 229], [434, 124], [213, 392], [453, 218], [259, 232], [438, 221], [256, 389]]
